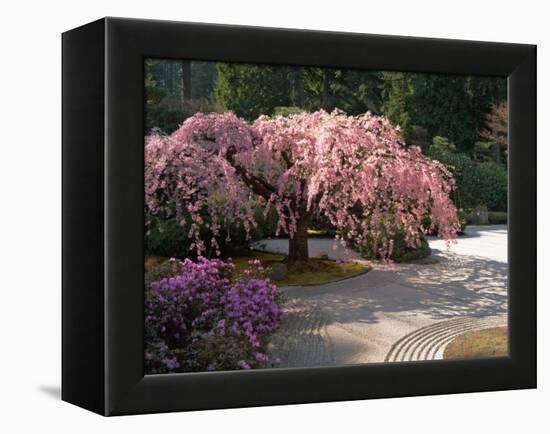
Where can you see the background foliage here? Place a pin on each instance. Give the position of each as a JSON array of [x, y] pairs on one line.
[[458, 120], [424, 105]]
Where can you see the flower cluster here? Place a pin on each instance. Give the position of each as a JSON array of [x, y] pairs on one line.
[[201, 320], [355, 170]]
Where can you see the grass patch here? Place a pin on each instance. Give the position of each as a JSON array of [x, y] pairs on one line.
[[153, 260], [320, 233], [267, 259], [320, 271], [492, 342], [312, 271]]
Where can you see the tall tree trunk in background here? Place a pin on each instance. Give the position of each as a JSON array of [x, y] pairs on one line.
[[297, 245], [186, 80], [496, 152], [471, 95], [298, 89], [169, 76], [325, 90]]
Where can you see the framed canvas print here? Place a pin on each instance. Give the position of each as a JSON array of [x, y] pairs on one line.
[[257, 216]]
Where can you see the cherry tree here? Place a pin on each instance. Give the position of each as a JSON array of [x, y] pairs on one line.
[[354, 170]]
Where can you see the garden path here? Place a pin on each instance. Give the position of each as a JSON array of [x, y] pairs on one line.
[[395, 312]]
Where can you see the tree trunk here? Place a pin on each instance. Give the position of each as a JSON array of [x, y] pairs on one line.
[[186, 79], [297, 247], [299, 90], [496, 152], [325, 91]]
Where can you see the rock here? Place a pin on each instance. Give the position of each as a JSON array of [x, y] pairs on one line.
[[278, 271], [479, 216]]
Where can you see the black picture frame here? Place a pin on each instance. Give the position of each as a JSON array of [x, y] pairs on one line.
[[102, 293]]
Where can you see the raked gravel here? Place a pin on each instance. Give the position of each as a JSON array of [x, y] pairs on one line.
[[395, 312]]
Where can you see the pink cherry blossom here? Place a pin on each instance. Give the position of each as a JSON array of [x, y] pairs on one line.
[[355, 170]]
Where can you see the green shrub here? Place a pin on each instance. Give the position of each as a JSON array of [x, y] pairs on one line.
[[416, 135], [498, 217], [170, 239], [267, 225], [427, 223], [483, 151], [478, 184], [167, 112], [287, 110], [320, 224], [401, 252], [492, 186], [465, 173], [441, 144]]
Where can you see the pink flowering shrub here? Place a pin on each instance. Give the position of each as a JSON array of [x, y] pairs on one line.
[[200, 320], [354, 170]]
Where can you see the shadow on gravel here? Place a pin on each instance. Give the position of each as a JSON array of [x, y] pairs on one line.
[[457, 286]]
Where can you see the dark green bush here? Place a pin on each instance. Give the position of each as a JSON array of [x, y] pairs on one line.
[[427, 222], [401, 252], [441, 145], [483, 151], [167, 112], [492, 186], [465, 173], [169, 238], [321, 224], [482, 183], [287, 110], [416, 135], [498, 217], [267, 225]]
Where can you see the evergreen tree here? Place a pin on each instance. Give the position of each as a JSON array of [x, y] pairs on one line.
[[203, 80], [353, 91], [441, 105], [251, 90], [424, 105], [396, 89]]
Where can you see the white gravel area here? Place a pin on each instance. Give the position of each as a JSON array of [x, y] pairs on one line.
[[362, 319]]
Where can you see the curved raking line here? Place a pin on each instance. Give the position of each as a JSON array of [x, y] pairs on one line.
[[302, 339], [428, 343]]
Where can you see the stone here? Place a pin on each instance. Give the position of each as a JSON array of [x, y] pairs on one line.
[[279, 271], [479, 216]]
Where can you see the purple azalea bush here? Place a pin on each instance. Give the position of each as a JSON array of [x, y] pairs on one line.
[[201, 320]]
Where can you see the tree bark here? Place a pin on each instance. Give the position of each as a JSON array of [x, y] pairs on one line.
[[325, 91], [297, 245], [186, 79], [496, 152]]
